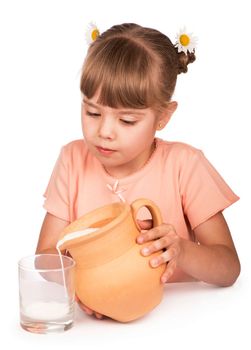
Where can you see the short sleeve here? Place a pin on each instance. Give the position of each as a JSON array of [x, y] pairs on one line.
[[204, 192], [57, 192]]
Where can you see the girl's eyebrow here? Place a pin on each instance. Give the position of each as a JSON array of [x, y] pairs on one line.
[[122, 111]]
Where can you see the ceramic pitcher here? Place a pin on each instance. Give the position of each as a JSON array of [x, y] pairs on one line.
[[112, 277]]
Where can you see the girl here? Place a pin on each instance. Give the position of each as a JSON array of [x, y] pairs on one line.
[[127, 83]]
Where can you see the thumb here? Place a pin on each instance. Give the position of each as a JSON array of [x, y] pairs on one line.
[[145, 224]]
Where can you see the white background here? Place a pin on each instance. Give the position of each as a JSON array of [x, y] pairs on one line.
[[42, 47]]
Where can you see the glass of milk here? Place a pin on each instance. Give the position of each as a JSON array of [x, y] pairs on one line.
[[46, 293]]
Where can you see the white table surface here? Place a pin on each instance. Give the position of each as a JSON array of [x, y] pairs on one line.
[[191, 316]]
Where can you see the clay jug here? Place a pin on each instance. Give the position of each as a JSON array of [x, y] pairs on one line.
[[112, 277]]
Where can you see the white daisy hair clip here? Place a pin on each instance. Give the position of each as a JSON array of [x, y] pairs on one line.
[[92, 32], [185, 42]]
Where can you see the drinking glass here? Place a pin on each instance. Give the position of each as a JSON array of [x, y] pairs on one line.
[[46, 293]]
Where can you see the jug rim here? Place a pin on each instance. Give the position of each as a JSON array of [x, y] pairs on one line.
[[100, 230]]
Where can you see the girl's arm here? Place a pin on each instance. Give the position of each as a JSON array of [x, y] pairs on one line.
[[214, 260], [51, 228]]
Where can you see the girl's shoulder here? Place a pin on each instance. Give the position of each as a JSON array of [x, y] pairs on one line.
[[75, 149], [180, 157], [76, 145], [177, 150]]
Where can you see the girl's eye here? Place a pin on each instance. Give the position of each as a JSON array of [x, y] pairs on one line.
[[128, 122], [92, 114], [124, 121]]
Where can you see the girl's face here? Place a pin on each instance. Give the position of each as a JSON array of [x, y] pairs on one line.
[[121, 139]]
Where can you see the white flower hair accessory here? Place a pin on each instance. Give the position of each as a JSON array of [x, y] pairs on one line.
[[185, 42], [92, 32]]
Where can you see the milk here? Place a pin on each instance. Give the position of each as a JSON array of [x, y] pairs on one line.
[[46, 311], [70, 236]]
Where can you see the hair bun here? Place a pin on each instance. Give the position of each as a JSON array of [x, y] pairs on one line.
[[184, 59]]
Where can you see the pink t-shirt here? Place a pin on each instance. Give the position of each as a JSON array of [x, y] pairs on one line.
[[177, 177]]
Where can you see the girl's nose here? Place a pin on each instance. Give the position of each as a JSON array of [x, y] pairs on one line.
[[107, 128]]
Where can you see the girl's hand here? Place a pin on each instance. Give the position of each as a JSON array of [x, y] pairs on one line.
[[163, 237], [88, 310]]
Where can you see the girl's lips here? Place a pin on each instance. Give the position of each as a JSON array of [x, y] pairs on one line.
[[105, 151]]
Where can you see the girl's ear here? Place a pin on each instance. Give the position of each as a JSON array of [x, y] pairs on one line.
[[166, 115]]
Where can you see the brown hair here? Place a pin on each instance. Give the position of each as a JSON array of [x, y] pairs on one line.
[[132, 66]]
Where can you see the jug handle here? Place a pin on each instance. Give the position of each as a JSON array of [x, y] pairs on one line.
[[151, 206]]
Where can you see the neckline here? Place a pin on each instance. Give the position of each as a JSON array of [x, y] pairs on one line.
[[135, 175]]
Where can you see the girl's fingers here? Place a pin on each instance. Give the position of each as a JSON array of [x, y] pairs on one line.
[[86, 309], [165, 257], [89, 311], [155, 233], [171, 266], [157, 245], [99, 316], [145, 224]]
